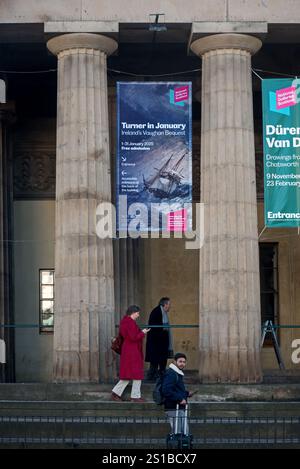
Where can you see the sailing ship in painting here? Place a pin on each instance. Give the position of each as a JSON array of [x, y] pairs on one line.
[[167, 179]]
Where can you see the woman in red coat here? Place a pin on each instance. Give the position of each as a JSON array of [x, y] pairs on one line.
[[132, 358]]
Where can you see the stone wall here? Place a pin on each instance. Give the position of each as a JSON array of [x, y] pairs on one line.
[[31, 11], [34, 223]]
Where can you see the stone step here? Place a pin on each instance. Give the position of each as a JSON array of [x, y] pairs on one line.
[[117, 410], [101, 392], [107, 404]]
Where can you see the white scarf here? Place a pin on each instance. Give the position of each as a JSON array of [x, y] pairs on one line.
[[175, 368]]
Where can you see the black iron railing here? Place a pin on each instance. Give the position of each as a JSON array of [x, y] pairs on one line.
[[148, 431]]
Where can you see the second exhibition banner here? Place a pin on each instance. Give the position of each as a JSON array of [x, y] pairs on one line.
[[154, 164], [281, 135]]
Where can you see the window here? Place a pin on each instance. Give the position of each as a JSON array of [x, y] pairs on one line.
[[46, 300], [268, 260]]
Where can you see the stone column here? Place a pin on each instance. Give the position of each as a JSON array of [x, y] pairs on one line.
[[84, 282], [229, 264]]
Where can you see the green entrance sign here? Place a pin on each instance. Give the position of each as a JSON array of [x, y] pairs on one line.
[[281, 137]]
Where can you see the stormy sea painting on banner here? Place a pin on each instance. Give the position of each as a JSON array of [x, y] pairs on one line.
[[154, 164]]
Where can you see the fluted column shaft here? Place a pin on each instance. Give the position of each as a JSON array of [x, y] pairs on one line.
[[84, 282], [229, 315]]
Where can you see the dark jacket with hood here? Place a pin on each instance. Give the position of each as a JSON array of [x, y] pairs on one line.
[[173, 388]]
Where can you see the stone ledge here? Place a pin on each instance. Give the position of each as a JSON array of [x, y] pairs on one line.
[[35, 392]]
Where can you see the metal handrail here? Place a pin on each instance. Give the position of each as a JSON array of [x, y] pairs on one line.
[[175, 326]]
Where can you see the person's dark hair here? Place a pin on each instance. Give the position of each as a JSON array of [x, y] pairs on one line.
[[163, 301], [132, 309], [179, 355]]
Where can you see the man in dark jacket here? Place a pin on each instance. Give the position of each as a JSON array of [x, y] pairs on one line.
[[174, 391], [159, 340]]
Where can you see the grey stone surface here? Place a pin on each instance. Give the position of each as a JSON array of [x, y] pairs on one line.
[[31, 11], [213, 27], [84, 294], [93, 393], [229, 340], [81, 27]]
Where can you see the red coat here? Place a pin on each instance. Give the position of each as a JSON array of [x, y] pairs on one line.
[[132, 358]]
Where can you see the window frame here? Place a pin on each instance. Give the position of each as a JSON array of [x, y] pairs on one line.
[[45, 329], [268, 341]]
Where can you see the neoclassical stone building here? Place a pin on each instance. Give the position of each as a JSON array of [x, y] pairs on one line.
[[60, 61]]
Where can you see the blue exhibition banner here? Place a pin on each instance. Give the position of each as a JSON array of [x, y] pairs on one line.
[[154, 158]]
